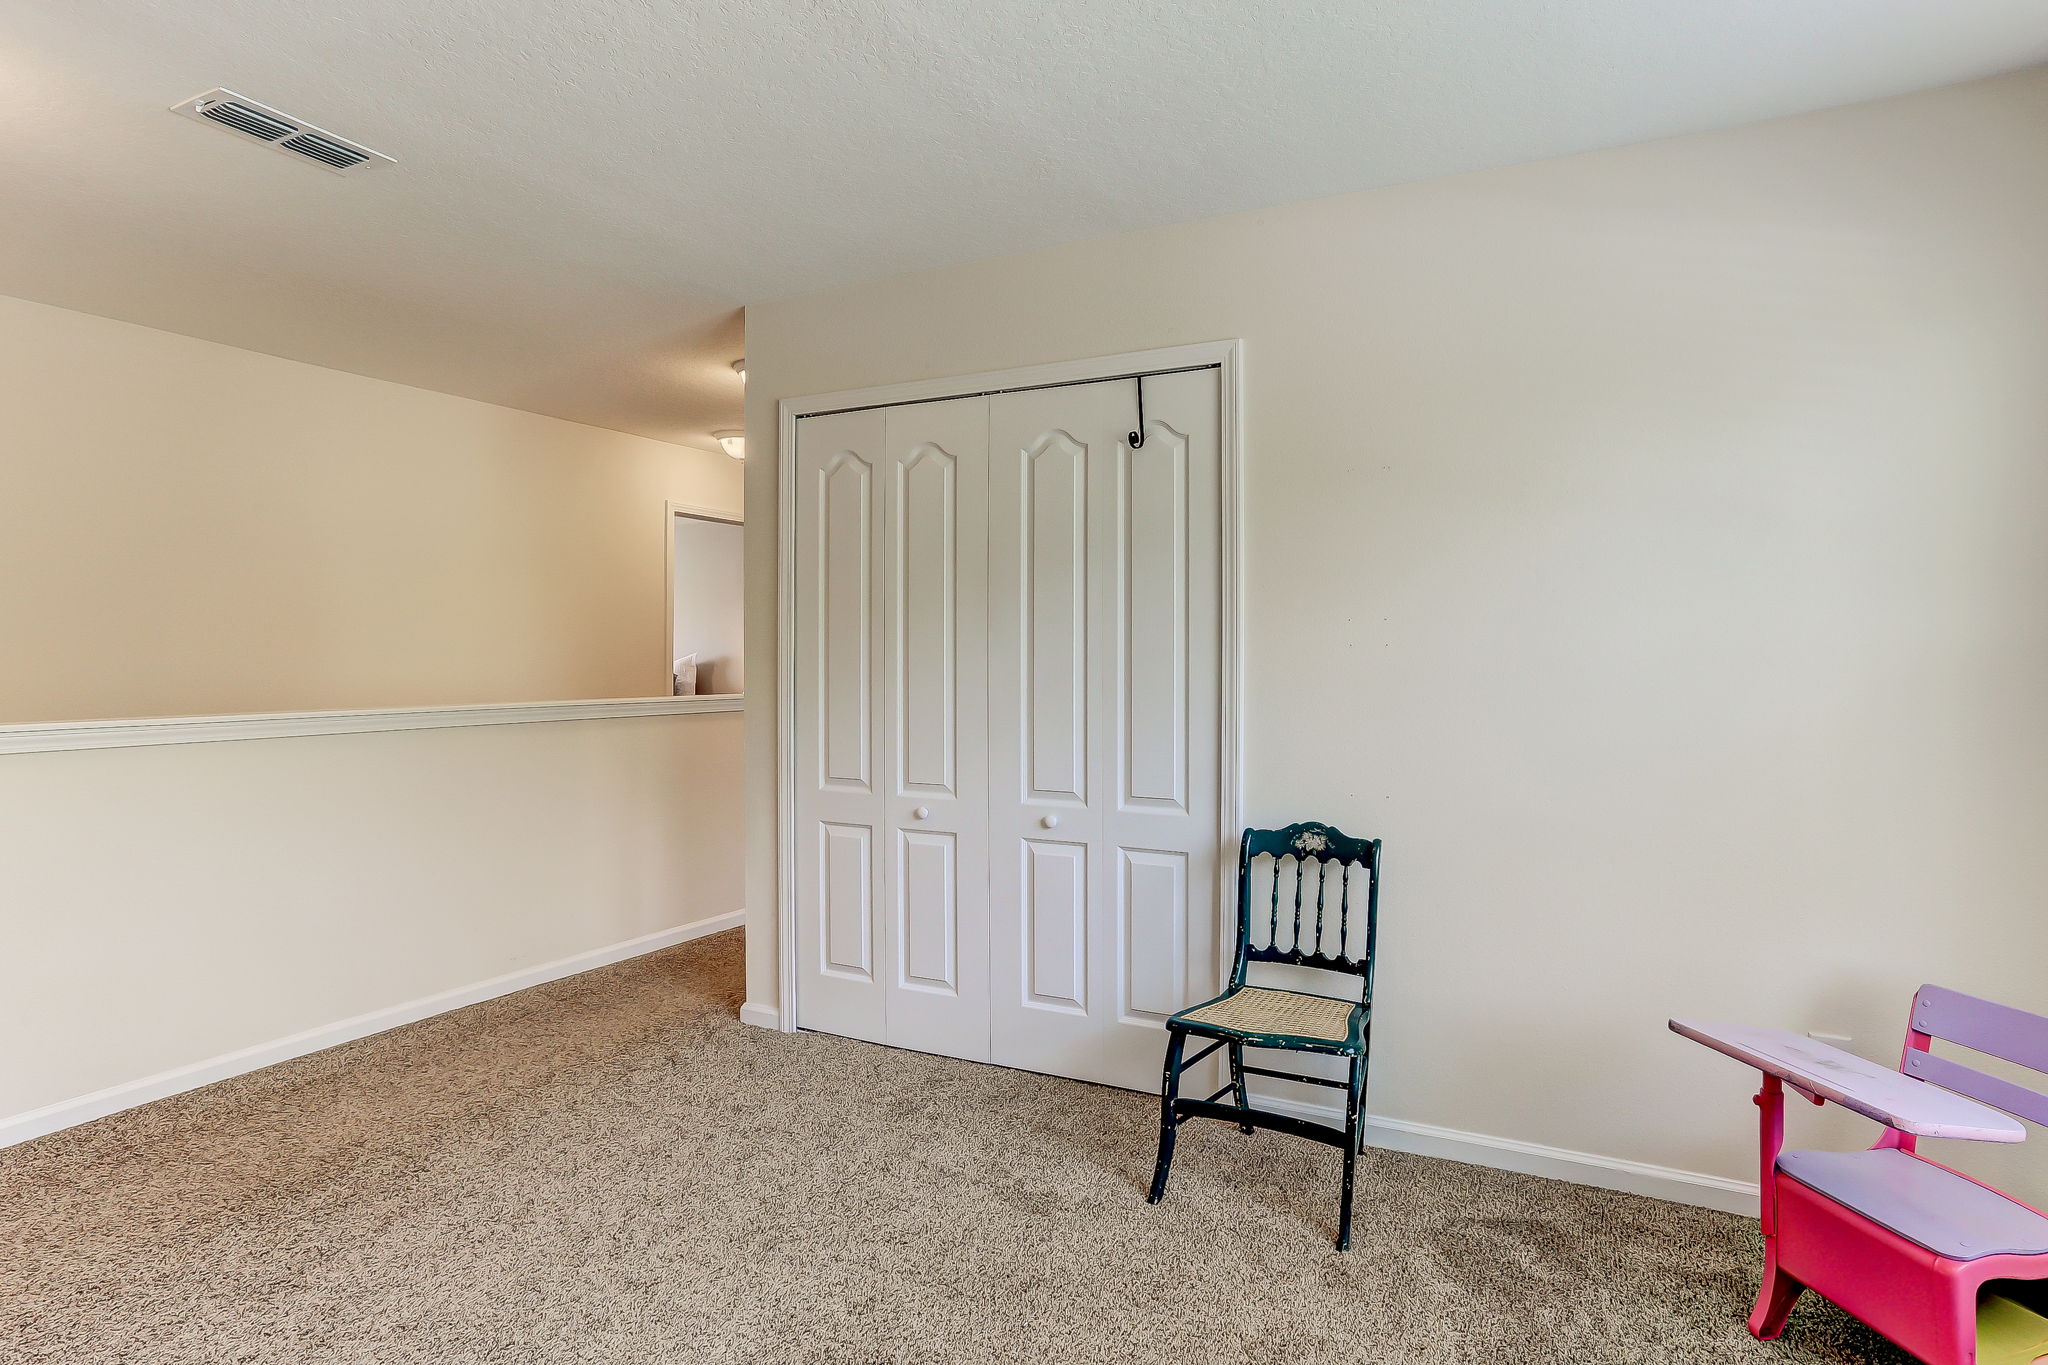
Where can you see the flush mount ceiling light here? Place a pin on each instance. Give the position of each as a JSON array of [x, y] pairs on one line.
[[739, 367], [261, 123], [734, 443]]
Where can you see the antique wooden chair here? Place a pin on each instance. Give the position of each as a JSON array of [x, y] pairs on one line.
[[1346, 875], [1901, 1241]]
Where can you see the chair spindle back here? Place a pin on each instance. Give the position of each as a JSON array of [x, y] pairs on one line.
[[1325, 914]]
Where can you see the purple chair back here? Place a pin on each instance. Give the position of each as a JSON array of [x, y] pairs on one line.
[[1983, 1026]]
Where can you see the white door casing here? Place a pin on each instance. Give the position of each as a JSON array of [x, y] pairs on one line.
[[1086, 652]]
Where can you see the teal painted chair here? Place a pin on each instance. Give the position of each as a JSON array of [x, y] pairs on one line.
[[1325, 908]]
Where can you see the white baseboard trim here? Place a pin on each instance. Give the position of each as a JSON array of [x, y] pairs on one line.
[[1532, 1158], [761, 1016], [69, 1113]]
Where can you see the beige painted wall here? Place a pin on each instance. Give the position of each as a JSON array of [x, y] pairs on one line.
[[165, 906], [187, 528], [1647, 545]]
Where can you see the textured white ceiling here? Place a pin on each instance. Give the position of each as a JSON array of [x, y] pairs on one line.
[[589, 189]]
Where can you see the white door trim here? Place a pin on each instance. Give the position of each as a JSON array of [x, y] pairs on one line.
[[1227, 357]]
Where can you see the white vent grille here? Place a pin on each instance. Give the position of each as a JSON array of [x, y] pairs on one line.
[[326, 150], [243, 119], [295, 136]]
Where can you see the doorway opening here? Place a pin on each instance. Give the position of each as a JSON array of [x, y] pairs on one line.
[[706, 602]]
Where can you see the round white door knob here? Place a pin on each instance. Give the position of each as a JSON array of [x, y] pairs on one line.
[[1050, 822], [923, 812]]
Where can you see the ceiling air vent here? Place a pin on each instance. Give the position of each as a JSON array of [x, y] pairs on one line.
[[326, 150], [261, 123], [243, 119]]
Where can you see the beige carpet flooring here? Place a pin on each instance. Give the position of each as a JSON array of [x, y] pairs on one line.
[[613, 1169]]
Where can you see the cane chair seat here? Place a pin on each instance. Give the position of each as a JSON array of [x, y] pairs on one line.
[[1264, 1017]]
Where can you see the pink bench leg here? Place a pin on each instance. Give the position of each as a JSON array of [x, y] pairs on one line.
[[1775, 1299], [1779, 1291], [1962, 1322]]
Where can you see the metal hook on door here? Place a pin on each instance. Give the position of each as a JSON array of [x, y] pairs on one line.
[[1138, 436]]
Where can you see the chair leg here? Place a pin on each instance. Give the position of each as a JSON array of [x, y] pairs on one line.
[[1237, 1082], [1169, 1091], [1774, 1298], [1354, 1096], [1364, 1084]]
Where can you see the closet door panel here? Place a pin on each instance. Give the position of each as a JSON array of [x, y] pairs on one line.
[[839, 804], [1054, 613], [1152, 921], [1055, 897], [846, 554], [936, 727], [1152, 698], [845, 900], [1045, 455], [929, 911], [1161, 694], [928, 601], [1103, 597]]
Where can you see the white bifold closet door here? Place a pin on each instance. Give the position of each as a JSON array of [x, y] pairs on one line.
[[1007, 723], [1103, 753], [892, 726]]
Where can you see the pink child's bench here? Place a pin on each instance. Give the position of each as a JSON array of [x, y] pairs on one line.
[[1901, 1241]]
